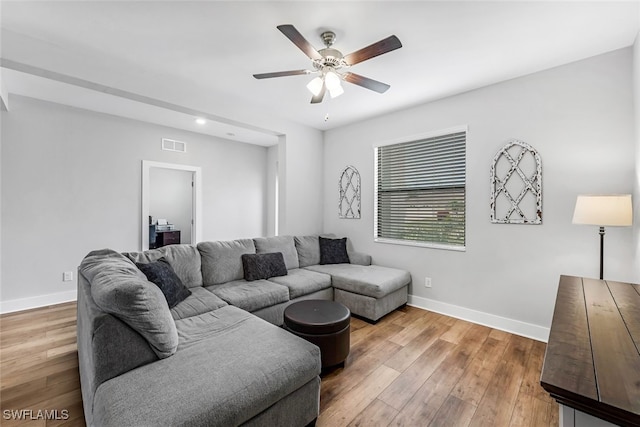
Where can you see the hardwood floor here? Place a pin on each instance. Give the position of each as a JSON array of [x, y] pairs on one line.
[[413, 368], [418, 368], [39, 367]]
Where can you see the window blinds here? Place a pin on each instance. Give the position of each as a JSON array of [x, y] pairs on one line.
[[421, 190]]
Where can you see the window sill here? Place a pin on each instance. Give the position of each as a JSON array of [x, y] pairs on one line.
[[421, 244]]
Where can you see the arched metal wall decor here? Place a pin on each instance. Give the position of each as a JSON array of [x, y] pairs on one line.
[[349, 203], [516, 185]]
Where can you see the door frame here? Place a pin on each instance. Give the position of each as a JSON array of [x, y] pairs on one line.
[[196, 229]]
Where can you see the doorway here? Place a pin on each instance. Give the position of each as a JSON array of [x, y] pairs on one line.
[[171, 198]]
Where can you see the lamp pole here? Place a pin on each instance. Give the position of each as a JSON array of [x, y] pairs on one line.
[[601, 252]]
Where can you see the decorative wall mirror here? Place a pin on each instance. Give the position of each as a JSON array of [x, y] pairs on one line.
[[349, 203], [516, 185]]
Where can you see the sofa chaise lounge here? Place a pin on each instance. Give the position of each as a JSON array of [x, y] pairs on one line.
[[218, 357]]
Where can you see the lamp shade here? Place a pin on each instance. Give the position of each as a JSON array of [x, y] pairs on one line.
[[603, 210]]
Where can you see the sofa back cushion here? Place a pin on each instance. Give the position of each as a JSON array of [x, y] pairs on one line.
[[184, 259], [222, 262], [119, 288], [282, 244], [308, 248]]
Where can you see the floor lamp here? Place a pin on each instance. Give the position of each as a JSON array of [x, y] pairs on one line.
[[603, 210]]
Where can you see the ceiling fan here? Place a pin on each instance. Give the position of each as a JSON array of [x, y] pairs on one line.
[[329, 63]]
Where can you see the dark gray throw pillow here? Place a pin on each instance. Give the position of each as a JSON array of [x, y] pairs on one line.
[[263, 266], [162, 274], [333, 251]]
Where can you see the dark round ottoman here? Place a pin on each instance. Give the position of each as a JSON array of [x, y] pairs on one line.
[[323, 323]]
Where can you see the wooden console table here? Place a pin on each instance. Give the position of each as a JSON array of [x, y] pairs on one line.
[[592, 361]]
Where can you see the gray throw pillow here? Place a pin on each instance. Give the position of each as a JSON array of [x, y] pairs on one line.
[[263, 266], [162, 275]]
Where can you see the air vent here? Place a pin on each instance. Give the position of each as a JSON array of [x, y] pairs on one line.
[[173, 145]]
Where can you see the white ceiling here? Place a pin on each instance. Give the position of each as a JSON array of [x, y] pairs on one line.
[[200, 56]]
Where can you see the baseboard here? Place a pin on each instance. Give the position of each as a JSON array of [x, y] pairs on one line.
[[517, 327], [40, 301]]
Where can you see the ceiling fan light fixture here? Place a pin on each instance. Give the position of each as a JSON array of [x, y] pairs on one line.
[[332, 81], [328, 61], [315, 86], [336, 92]]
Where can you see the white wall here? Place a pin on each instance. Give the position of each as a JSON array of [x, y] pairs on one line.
[[636, 181], [301, 185], [4, 95], [271, 193], [171, 198], [71, 183], [580, 119], [299, 151]]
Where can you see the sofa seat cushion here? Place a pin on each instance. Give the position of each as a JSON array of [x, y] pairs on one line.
[[192, 330], [302, 282], [251, 296], [184, 259], [370, 280], [239, 367], [200, 301]]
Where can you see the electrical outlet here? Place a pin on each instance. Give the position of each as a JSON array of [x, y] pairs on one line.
[[427, 282], [67, 276]]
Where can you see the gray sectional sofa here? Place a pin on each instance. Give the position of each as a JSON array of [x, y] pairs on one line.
[[218, 357]]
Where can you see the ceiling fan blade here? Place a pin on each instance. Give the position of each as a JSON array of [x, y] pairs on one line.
[[319, 97], [297, 39], [366, 82], [281, 74], [371, 51]]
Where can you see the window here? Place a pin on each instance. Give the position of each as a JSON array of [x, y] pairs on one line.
[[420, 191]]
